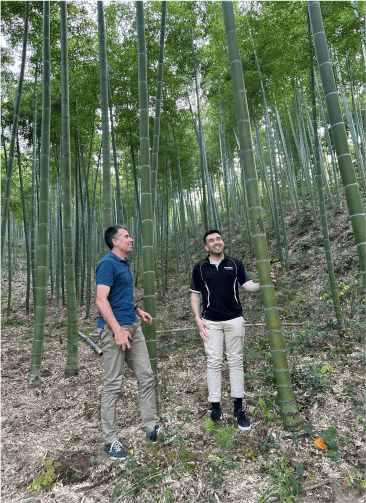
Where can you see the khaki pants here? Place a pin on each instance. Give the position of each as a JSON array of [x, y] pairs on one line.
[[137, 359], [232, 332]]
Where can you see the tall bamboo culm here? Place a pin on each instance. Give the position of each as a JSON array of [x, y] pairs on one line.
[[107, 190], [349, 180], [33, 196], [26, 239], [159, 87], [332, 279], [14, 130], [72, 328], [42, 255], [146, 203], [285, 392]]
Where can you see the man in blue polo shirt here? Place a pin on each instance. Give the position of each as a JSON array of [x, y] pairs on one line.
[[217, 279], [123, 341]]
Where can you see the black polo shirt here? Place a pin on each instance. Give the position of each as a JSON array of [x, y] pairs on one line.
[[219, 287]]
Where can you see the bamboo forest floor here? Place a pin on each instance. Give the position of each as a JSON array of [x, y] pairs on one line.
[[60, 420]]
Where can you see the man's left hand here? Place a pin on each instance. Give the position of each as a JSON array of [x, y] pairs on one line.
[[145, 316]]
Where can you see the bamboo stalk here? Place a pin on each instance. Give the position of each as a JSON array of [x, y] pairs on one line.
[[72, 340], [146, 199], [286, 397], [42, 255], [9, 168], [91, 344]]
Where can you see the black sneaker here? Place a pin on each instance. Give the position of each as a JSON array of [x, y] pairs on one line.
[[216, 415], [243, 423], [158, 436], [115, 451]]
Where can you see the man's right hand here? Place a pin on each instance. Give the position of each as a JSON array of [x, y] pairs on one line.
[[201, 324], [121, 337]]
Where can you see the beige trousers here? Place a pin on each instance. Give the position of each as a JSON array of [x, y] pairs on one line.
[[137, 359], [232, 333]]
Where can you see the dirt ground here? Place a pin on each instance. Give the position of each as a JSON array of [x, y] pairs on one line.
[[60, 420]]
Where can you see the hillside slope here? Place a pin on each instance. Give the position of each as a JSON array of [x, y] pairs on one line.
[[60, 420]]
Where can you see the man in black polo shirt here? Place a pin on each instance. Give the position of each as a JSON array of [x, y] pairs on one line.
[[217, 279]]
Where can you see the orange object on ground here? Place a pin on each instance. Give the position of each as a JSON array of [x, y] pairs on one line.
[[319, 442]]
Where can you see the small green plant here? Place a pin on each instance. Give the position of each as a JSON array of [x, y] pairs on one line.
[[250, 454], [167, 495], [216, 472], [47, 478], [287, 484], [188, 459], [309, 378], [327, 368], [188, 415], [328, 437], [264, 408], [224, 437], [11, 321], [268, 443], [352, 477], [140, 475], [211, 426], [89, 331]]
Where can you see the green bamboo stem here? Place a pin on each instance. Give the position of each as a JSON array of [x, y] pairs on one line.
[[182, 209], [159, 86], [286, 396], [72, 328], [77, 243], [245, 197], [201, 139], [206, 198], [119, 212], [33, 236], [26, 239], [107, 192], [257, 142], [14, 130], [352, 129], [351, 188], [291, 181], [42, 255], [304, 153], [332, 278], [146, 202], [274, 184], [9, 269], [175, 227], [328, 143], [279, 201], [225, 177]]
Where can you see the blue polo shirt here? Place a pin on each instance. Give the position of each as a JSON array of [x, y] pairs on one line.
[[116, 273]]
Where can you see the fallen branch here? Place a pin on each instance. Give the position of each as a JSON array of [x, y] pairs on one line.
[[246, 325], [91, 343], [314, 486]]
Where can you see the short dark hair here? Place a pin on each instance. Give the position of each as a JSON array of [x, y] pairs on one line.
[[212, 231], [112, 233]]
